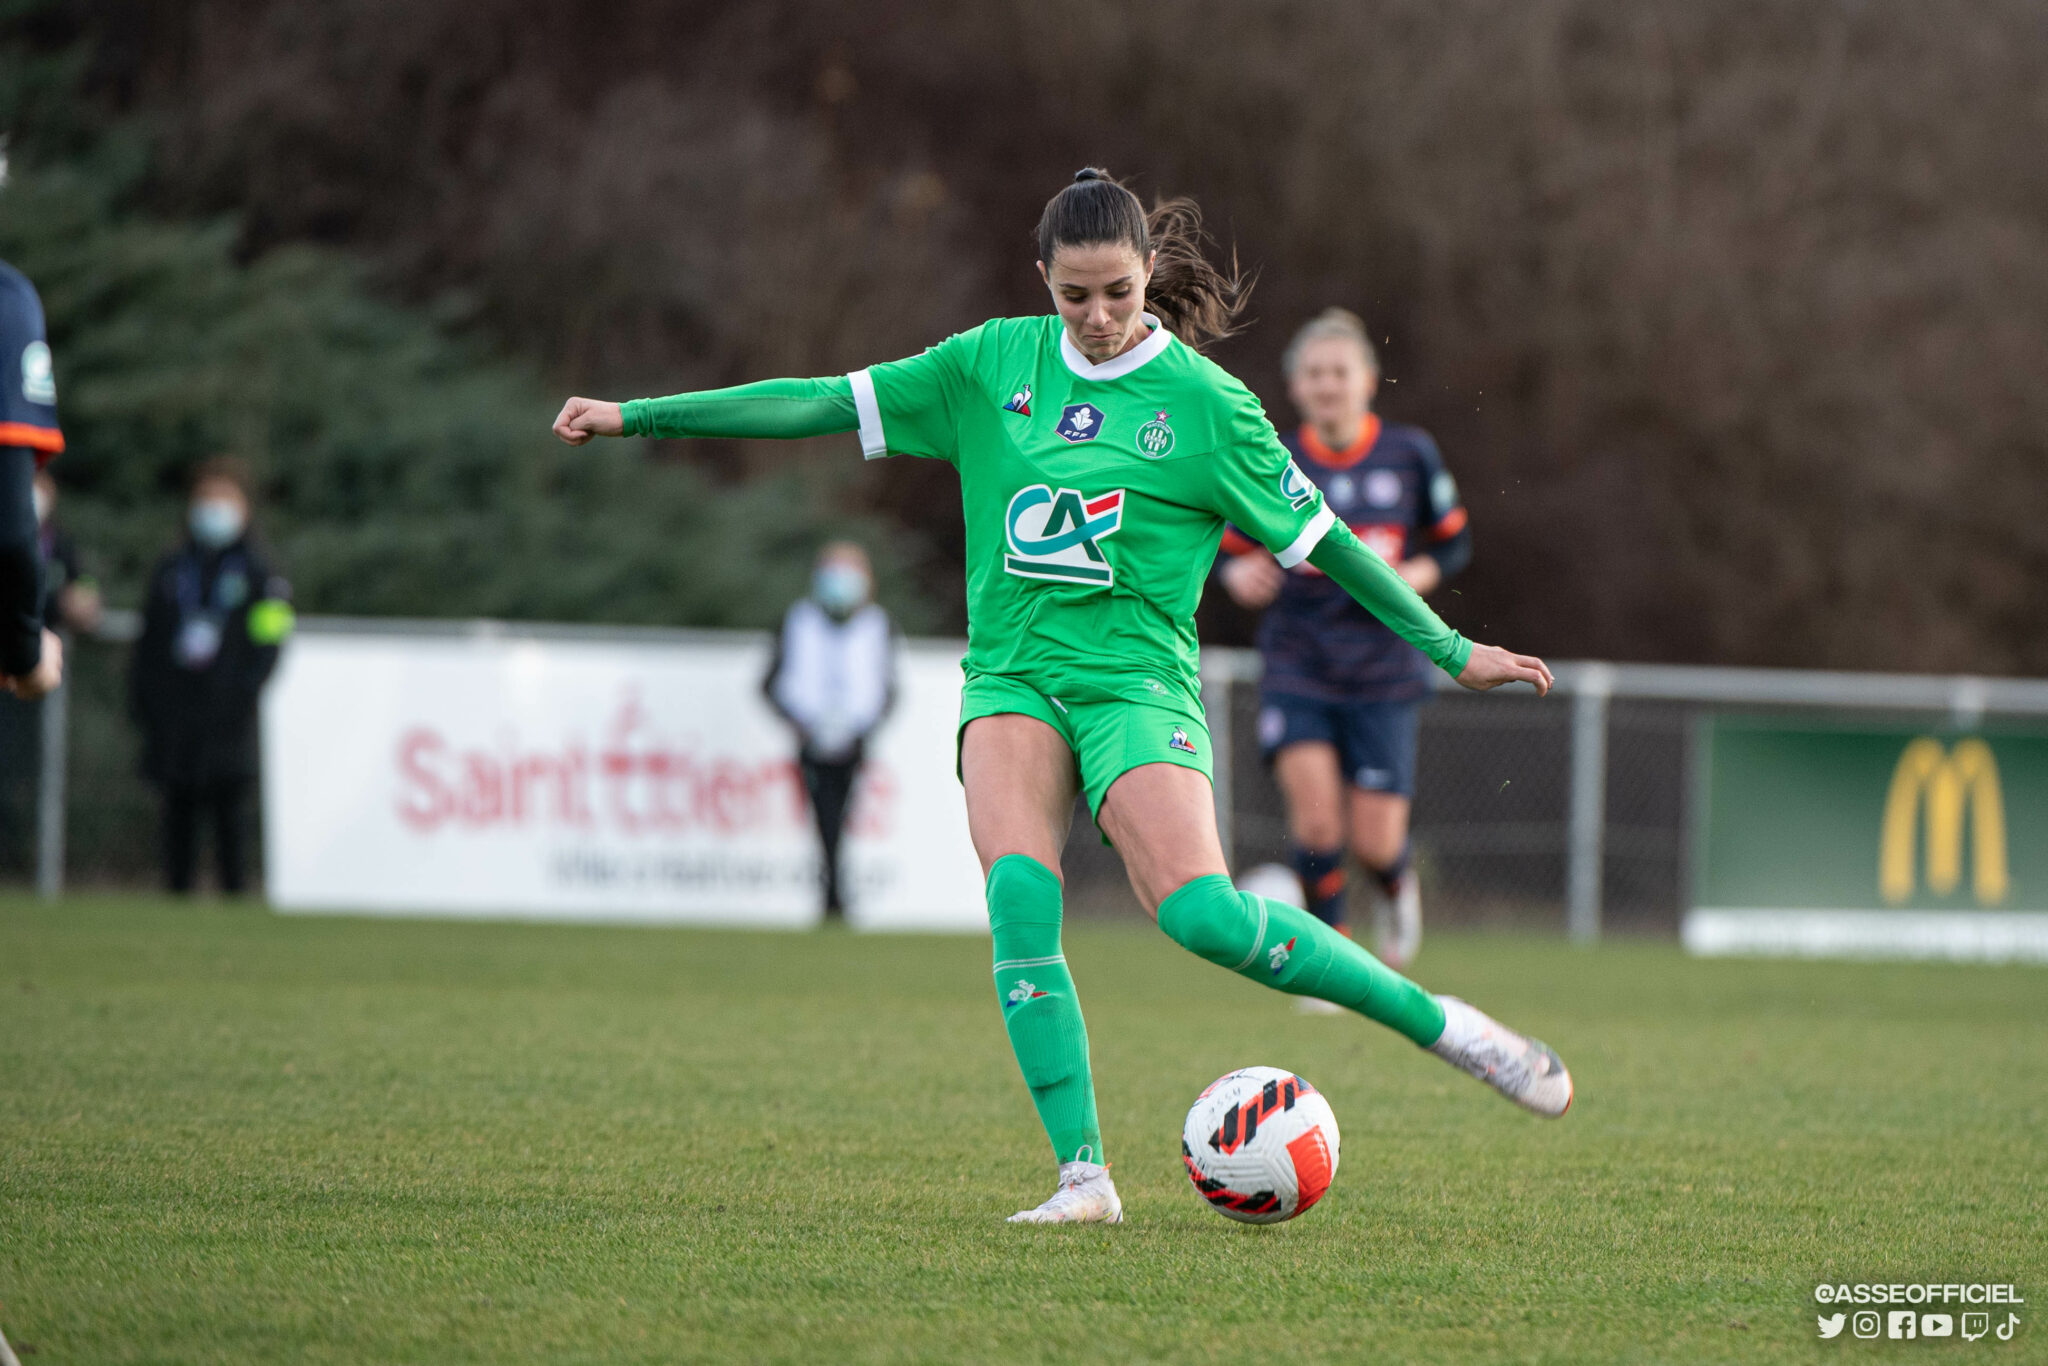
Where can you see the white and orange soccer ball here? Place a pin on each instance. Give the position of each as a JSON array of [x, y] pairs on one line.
[[1260, 1145]]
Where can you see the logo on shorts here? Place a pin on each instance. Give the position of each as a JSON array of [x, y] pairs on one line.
[[1155, 439], [1020, 402], [1280, 953], [1055, 535], [1180, 741], [1080, 422], [1021, 993]]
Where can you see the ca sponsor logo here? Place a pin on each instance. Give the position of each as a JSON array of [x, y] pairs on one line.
[[1950, 785], [1056, 534]]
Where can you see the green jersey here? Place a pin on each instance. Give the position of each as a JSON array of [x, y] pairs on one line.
[[1095, 496]]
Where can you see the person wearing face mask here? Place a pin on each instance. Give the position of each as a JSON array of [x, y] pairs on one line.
[[211, 629], [833, 679]]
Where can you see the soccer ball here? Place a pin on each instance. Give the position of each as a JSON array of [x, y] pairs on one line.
[[1260, 1145]]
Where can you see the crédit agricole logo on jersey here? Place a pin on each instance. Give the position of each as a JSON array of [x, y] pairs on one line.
[[1054, 534]]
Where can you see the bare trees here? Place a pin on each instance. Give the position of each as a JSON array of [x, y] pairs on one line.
[[1731, 316]]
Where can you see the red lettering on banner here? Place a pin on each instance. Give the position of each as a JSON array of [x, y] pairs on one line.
[[429, 803], [636, 782]]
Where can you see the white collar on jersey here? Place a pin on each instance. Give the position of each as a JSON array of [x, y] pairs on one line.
[[1116, 367]]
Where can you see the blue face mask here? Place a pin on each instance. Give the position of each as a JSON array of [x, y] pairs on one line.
[[215, 522], [839, 588]]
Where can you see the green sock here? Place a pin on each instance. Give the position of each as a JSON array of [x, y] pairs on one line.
[[1289, 949], [1040, 1010]]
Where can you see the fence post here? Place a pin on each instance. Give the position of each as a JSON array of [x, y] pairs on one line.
[[1588, 828], [55, 710]]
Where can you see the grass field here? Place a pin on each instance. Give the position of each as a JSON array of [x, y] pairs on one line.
[[232, 1137]]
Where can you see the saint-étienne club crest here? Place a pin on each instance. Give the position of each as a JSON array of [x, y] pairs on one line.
[[1155, 439], [1080, 422], [1053, 534]]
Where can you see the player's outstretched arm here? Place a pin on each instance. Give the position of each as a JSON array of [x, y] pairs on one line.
[[772, 408], [1380, 589]]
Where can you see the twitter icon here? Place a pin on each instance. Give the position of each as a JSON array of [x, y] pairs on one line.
[[1830, 1324]]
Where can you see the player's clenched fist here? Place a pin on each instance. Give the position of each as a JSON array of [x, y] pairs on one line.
[[583, 418]]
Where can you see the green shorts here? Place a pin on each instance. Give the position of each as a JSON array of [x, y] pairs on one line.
[[1109, 739]]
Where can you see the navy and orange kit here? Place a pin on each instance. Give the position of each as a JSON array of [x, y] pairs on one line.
[[29, 439], [1333, 671]]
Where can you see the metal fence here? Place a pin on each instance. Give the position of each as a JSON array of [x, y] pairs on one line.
[[1572, 812]]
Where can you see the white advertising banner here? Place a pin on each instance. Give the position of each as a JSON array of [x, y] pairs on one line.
[[601, 780]]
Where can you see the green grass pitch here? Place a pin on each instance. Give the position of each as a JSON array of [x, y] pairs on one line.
[[227, 1136]]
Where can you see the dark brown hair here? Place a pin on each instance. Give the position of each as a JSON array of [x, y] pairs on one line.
[[229, 469], [1198, 301]]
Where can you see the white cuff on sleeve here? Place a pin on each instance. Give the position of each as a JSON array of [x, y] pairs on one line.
[[1311, 536], [872, 444]]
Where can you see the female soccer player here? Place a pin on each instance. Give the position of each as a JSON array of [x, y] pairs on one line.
[[1099, 458], [1341, 697]]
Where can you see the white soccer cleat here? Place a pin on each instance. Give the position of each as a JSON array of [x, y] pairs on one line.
[[1525, 1070], [1086, 1196], [1397, 923]]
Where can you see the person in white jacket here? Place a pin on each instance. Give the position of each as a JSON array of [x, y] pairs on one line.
[[833, 679]]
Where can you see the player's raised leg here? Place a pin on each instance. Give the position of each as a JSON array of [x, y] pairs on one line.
[[1020, 781], [1162, 819]]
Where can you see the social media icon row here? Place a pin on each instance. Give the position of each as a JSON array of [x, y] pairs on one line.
[[1909, 1323]]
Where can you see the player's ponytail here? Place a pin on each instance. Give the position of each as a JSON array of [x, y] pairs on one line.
[[1197, 300]]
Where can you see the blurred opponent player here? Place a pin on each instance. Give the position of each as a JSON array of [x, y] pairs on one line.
[[31, 657], [1099, 457], [1341, 694]]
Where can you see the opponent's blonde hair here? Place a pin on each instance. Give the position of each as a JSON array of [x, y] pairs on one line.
[[1331, 322]]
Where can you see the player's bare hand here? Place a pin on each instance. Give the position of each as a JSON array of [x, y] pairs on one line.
[[1253, 579], [583, 418], [42, 680], [1490, 666]]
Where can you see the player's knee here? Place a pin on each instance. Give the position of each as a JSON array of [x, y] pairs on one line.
[[1023, 895], [1209, 918]]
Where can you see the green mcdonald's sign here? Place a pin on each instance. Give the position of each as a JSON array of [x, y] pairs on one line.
[[1860, 840]]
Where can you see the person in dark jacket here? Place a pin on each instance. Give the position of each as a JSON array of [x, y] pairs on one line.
[[833, 679], [211, 630]]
